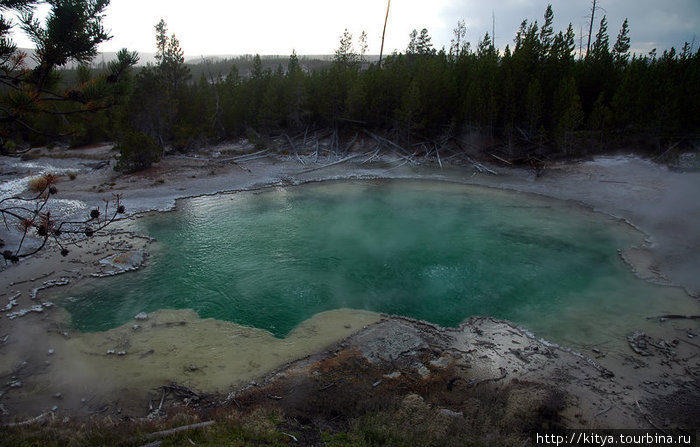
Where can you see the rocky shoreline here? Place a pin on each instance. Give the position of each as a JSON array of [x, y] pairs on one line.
[[441, 370]]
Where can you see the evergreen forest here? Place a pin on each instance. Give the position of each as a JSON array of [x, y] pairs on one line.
[[543, 97]]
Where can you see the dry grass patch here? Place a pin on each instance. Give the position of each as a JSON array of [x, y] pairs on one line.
[[42, 183]]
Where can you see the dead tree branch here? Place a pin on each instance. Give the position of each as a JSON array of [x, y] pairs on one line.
[[32, 213], [172, 431]]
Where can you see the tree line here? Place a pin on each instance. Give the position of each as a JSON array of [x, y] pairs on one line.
[[536, 98]]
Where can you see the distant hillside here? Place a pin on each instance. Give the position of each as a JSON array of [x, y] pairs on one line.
[[269, 61], [102, 58], [211, 66]]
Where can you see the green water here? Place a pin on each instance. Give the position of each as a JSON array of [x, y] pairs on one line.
[[434, 251]]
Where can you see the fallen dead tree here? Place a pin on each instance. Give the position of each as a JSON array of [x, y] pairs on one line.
[[342, 160], [28, 421], [389, 143], [172, 431], [312, 146], [478, 166]]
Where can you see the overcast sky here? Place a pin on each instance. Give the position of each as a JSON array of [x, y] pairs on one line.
[[211, 27]]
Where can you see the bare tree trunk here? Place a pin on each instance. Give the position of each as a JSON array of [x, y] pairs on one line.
[[590, 29], [217, 108], [580, 44], [386, 19], [493, 28]]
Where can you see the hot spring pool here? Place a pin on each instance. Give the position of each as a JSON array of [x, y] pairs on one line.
[[436, 251]]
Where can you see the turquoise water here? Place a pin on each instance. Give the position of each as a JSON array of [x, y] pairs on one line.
[[434, 251]]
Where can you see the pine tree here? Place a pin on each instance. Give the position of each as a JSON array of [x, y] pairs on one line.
[[601, 46], [601, 117], [423, 45], [532, 107], [345, 55], [563, 46], [34, 104], [458, 44], [485, 48], [150, 109], [256, 89], [569, 42], [155, 107], [568, 113], [293, 66], [621, 48], [409, 114], [170, 59], [527, 53], [412, 47], [233, 102], [161, 41], [363, 46], [296, 91], [547, 31], [272, 111], [257, 71], [173, 66]]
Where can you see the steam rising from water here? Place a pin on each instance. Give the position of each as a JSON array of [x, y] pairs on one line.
[[433, 251]]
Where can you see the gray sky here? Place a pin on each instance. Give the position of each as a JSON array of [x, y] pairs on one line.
[[210, 27]]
